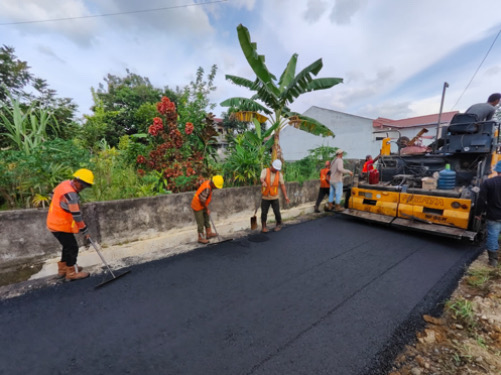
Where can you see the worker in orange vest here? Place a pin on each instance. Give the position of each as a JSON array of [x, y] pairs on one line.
[[65, 219], [200, 206], [271, 180], [324, 184]]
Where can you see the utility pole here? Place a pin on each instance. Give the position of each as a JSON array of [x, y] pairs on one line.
[[440, 117]]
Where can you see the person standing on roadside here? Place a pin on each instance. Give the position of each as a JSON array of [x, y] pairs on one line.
[[271, 180], [324, 184], [64, 219], [489, 201], [200, 206], [336, 181]]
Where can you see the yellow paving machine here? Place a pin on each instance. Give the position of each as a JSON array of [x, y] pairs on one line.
[[431, 189]]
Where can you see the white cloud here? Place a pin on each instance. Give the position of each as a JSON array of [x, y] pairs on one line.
[[393, 55]]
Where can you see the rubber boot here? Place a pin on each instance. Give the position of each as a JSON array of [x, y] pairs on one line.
[[338, 208], [201, 239], [72, 273], [209, 233], [61, 269], [264, 229], [493, 258]]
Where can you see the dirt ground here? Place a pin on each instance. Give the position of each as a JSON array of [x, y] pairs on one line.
[[466, 339]]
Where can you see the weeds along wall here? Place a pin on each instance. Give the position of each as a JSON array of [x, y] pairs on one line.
[[24, 235]]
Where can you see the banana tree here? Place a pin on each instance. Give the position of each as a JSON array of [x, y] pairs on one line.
[[276, 96]]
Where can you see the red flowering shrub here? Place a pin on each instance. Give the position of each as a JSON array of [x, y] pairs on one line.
[[188, 129], [179, 164]]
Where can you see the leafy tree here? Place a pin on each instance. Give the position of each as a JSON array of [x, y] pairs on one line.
[[14, 74], [276, 96], [32, 93]]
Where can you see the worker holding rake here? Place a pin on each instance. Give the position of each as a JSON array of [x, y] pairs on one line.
[[200, 205], [65, 219]]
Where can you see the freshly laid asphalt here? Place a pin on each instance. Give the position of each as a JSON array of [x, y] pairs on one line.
[[330, 296]]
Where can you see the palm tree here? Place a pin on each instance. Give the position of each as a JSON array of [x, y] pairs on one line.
[[277, 96]]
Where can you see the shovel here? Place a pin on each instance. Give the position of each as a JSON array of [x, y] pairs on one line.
[[106, 264], [254, 220]]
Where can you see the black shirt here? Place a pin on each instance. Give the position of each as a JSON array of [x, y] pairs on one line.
[[489, 199]]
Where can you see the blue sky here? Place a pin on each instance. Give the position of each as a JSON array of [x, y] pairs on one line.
[[394, 55]]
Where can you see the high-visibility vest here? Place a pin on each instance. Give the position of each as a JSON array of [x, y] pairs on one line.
[[271, 190], [324, 180], [195, 202], [368, 166], [59, 220]]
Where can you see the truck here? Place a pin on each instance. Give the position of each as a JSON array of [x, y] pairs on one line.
[[410, 192]]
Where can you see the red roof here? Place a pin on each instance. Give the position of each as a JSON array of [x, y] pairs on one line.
[[428, 120]]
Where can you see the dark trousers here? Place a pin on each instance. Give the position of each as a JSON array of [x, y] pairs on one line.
[[70, 247], [275, 205], [322, 192]]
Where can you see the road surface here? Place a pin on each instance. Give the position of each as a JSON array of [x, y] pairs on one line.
[[329, 296]]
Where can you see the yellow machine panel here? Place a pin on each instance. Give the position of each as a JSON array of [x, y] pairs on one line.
[[374, 201], [435, 209]]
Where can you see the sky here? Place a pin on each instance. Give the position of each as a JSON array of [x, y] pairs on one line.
[[394, 55]]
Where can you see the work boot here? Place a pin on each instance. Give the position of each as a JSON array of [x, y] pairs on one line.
[[338, 208], [61, 269], [264, 229], [209, 233], [201, 239], [72, 273], [493, 258], [329, 207]]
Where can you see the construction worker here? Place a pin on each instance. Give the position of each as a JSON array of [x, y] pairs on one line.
[[489, 201], [271, 180], [65, 219], [336, 181], [200, 206], [368, 166], [324, 184]]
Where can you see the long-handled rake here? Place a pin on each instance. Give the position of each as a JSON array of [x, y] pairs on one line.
[[115, 276]]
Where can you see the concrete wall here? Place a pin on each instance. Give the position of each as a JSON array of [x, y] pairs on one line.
[[23, 233], [353, 134]]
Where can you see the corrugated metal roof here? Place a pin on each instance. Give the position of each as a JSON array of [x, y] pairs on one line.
[[420, 121]]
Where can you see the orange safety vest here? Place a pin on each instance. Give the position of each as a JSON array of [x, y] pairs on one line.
[[59, 220], [324, 180], [368, 166], [271, 190], [195, 202]]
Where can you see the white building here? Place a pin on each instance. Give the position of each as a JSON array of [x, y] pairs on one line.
[[353, 134], [357, 136]]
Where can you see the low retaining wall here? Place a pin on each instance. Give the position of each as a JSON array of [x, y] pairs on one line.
[[24, 236]]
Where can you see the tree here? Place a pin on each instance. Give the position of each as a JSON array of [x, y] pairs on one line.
[[277, 96], [14, 74]]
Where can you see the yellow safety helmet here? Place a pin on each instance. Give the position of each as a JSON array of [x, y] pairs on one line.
[[218, 181], [84, 175]]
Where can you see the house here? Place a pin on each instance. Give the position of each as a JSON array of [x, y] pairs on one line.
[[352, 133]]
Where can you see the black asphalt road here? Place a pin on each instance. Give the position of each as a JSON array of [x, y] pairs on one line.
[[330, 296]]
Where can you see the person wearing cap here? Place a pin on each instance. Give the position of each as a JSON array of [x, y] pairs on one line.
[[324, 184], [200, 205], [271, 180], [64, 219], [368, 166], [336, 181], [489, 201]]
